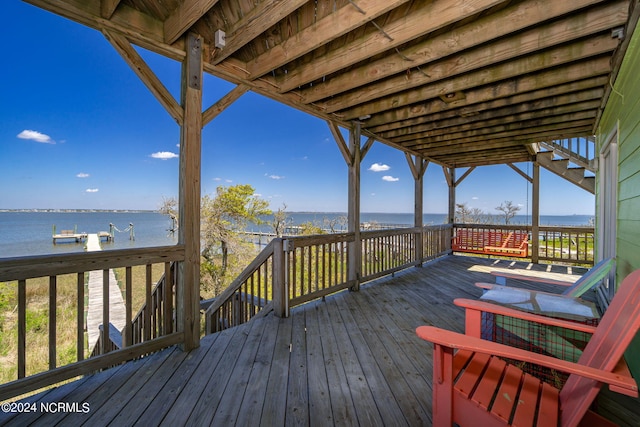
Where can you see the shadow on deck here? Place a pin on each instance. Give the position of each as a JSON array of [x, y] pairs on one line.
[[351, 359]]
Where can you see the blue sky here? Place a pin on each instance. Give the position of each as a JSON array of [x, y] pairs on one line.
[[79, 130]]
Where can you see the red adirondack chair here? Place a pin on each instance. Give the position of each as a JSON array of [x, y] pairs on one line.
[[475, 386]]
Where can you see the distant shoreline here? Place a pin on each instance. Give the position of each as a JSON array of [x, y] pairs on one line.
[[40, 210], [80, 210]]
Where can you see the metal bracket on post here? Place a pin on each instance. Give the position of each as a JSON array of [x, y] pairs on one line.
[[195, 44]]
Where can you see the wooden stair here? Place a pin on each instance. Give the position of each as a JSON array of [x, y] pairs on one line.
[[564, 167]]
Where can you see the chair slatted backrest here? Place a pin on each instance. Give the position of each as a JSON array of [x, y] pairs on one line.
[[594, 276], [615, 331]]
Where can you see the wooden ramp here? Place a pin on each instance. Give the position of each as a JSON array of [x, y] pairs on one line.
[[116, 303]]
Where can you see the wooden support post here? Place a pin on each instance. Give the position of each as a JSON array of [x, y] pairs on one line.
[[451, 180], [188, 289], [535, 216], [353, 215], [418, 167], [280, 290]]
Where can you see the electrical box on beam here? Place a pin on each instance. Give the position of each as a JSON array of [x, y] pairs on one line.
[[219, 39]]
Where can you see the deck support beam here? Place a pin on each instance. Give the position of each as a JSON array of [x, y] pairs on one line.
[[353, 213], [353, 155], [450, 176], [418, 167], [535, 215], [188, 289]]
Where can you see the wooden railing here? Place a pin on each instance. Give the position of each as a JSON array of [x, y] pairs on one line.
[[295, 270], [20, 272], [249, 293], [569, 245], [154, 319]]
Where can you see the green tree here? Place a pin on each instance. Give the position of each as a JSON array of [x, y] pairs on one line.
[[509, 210], [223, 218]]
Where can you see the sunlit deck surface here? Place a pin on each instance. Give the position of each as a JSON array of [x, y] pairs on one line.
[[351, 359]]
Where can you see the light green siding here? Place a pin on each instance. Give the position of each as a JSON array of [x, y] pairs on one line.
[[623, 112]]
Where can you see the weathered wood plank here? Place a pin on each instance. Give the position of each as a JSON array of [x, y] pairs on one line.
[[510, 69], [505, 49], [320, 411], [256, 390], [194, 390], [275, 405], [184, 17], [419, 21]]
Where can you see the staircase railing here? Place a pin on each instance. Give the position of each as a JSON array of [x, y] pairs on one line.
[[295, 270], [154, 319], [580, 151]]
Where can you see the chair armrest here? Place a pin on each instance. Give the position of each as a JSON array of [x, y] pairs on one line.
[[490, 286], [474, 308], [450, 339], [532, 278]]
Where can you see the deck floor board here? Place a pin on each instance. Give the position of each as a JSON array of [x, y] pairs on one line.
[[351, 359]]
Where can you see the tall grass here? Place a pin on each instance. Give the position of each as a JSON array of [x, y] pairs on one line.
[[37, 325]]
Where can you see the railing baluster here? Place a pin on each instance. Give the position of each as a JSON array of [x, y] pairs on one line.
[[22, 327], [80, 316], [168, 299], [148, 304], [128, 326], [52, 320], [105, 311]]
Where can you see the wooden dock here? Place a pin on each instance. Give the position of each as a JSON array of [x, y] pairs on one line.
[[69, 235], [116, 303]]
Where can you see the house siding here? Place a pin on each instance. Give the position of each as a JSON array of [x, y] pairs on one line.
[[622, 112]]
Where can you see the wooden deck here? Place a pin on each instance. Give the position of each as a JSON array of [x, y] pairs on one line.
[[352, 359]]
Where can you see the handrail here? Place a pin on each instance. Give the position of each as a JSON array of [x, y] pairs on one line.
[[224, 312]]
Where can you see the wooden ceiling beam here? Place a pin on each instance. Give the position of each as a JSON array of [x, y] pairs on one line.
[[489, 158], [506, 131], [264, 16], [462, 124], [527, 65], [322, 32], [491, 27], [577, 128], [593, 67], [421, 20], [183, 18], [107, 7], [535, 100]]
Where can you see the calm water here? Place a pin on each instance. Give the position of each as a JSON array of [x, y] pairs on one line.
[[29, 233]]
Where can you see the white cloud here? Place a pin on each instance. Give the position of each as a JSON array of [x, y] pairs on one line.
[[36, 136], [164, 155], [390, 178], [377, 167], [373, 194], [217, 179], [474, 198], [228, 180], [91, 190], [276, 177], [82, 175]]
